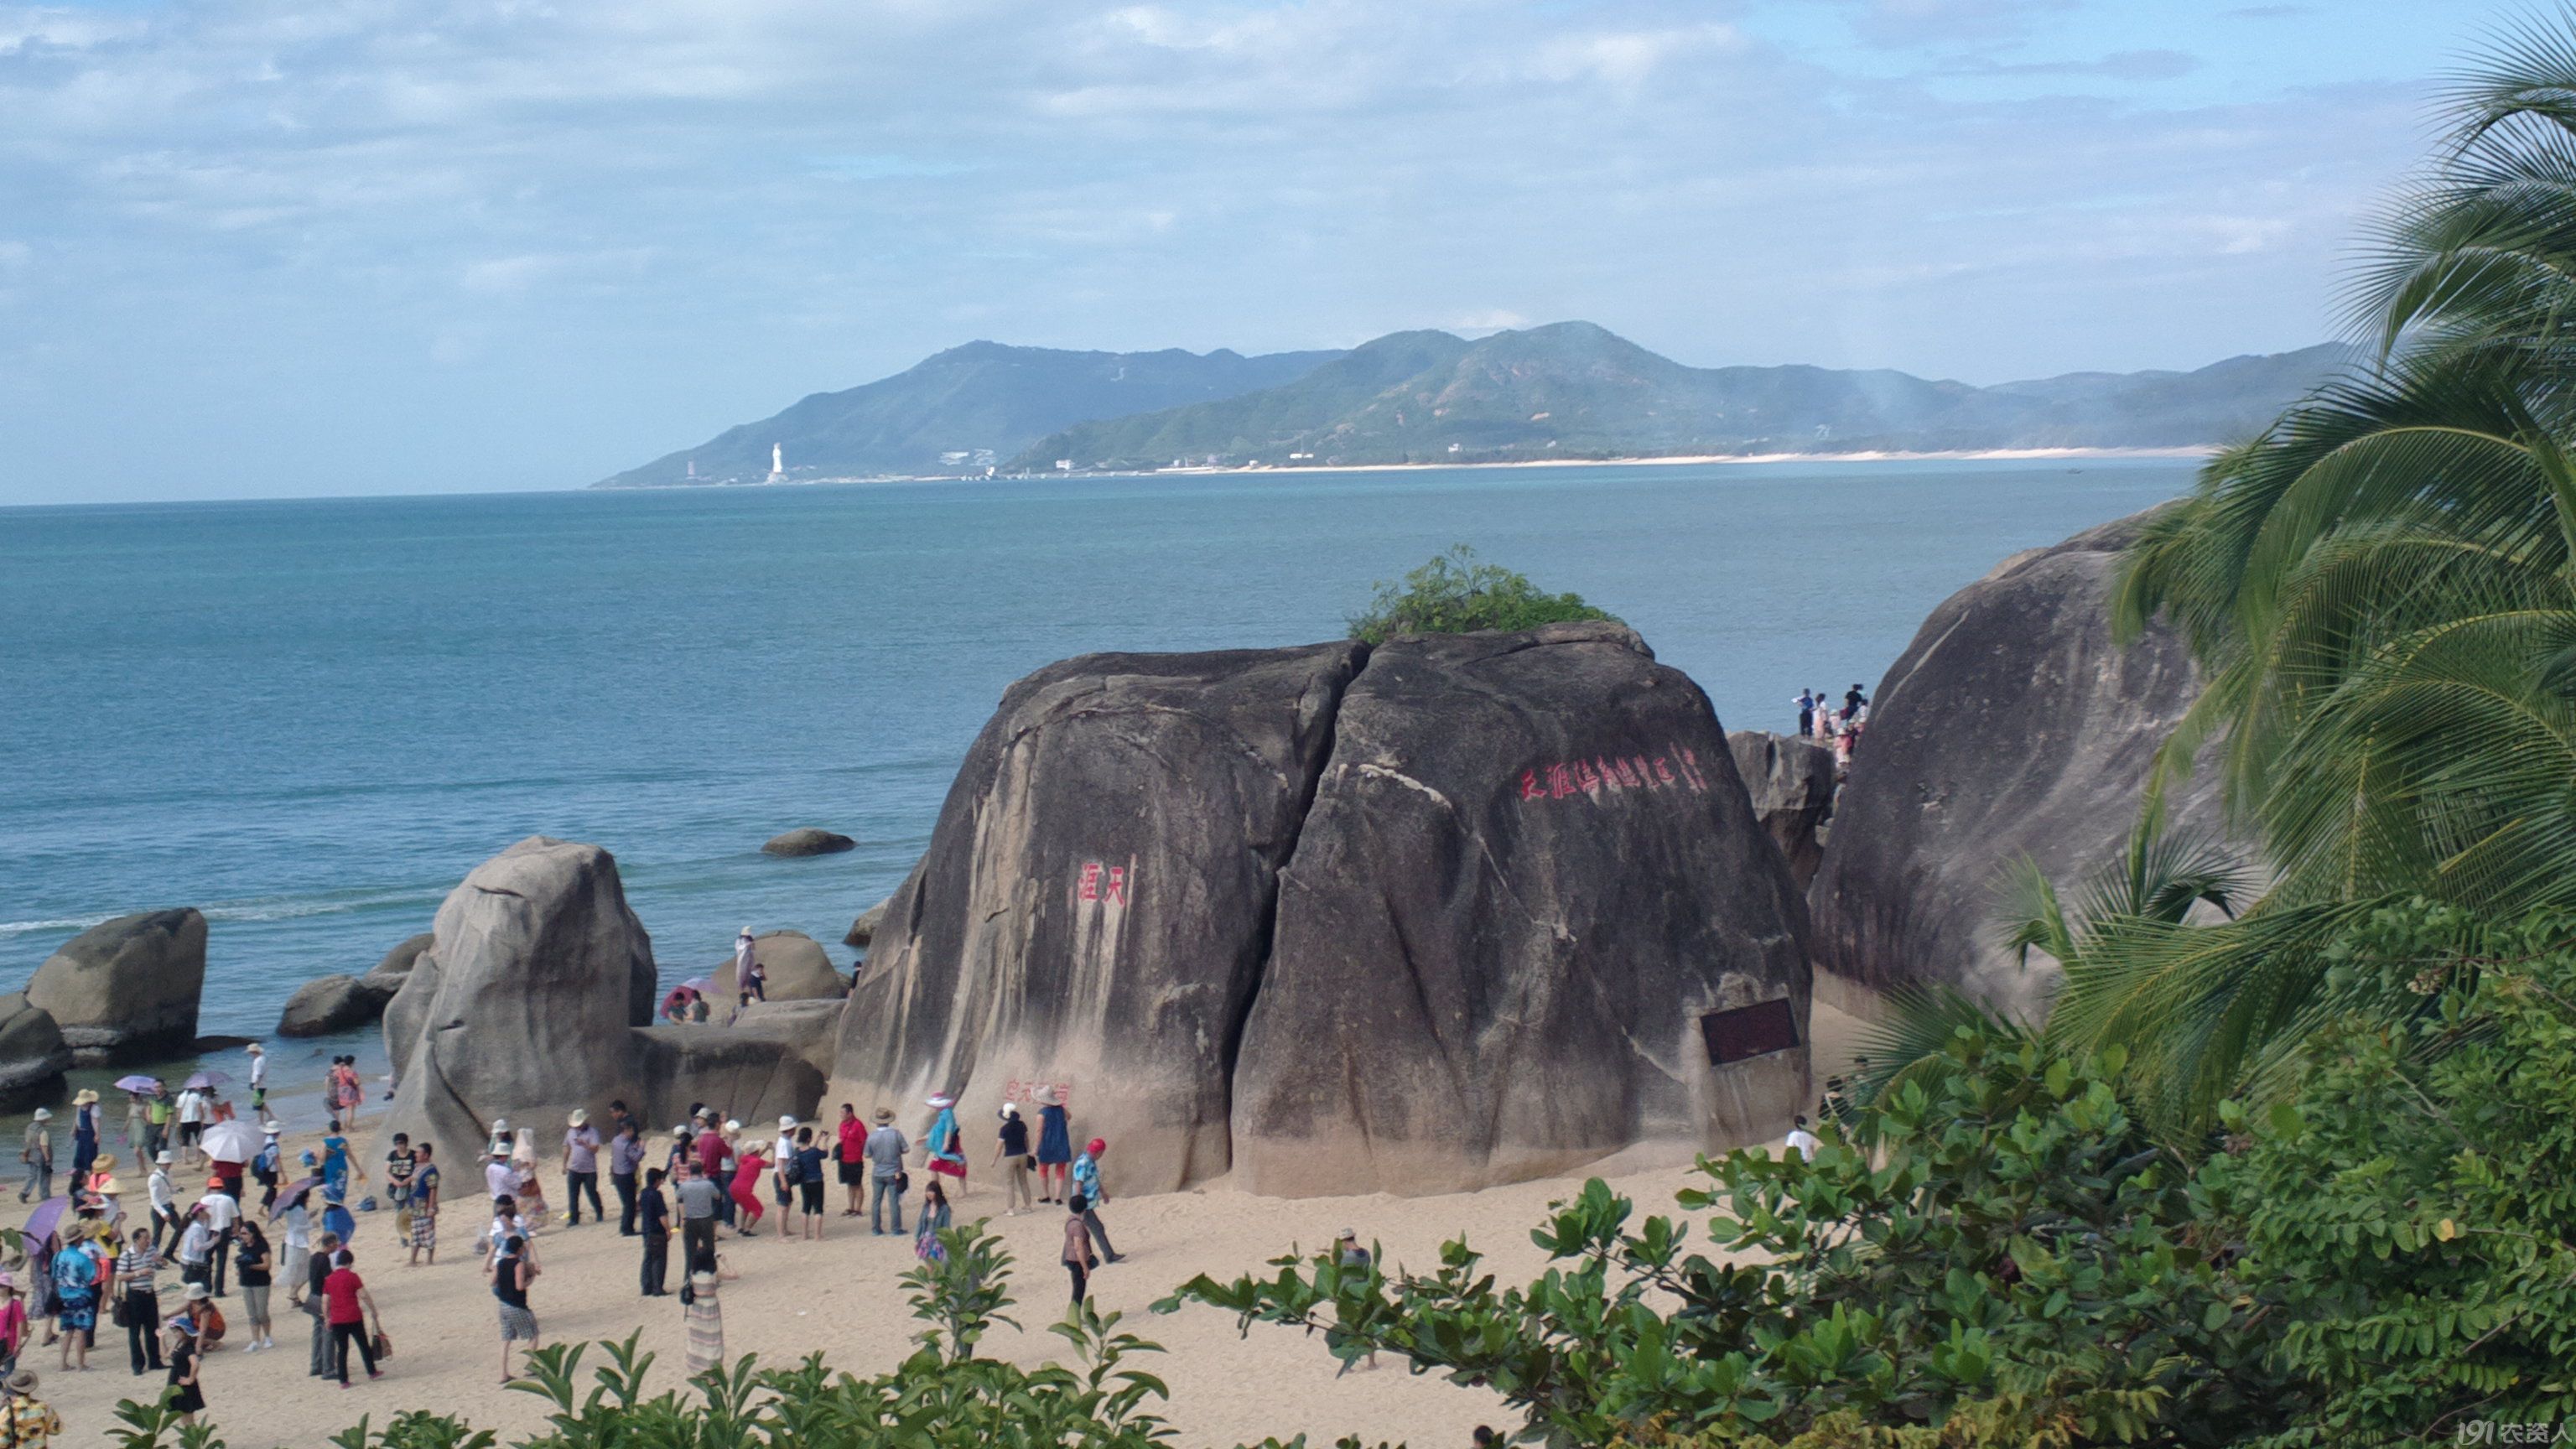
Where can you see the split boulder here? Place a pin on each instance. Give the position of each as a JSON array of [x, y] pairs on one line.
[[1791, 781], [127, 989]]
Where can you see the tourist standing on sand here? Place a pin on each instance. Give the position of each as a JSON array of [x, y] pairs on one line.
[[935, 1215], [192, 1125], [264, 1165], [1011, 1155], [625, 1160], [337, 1166], [76, 1278], [1077, 1247], [298, 1254], [715, 1152], [851, 1159], [511, 1275], [185, 1397], [698, 1196], [38, 1154], [317, 1273], [655, 1212], [425, 1189], [13, 1322], [809, 1182], [1055, 1145], [134, 1101], [1800, 1141], [258, 1077], [354, 1319], [747, 1210], [581, 1168], [886, 1149], [84, 1133], [30, 1421], [164, 1195], [498, 1180], [1088, 1192], [156, 1118], [222, 1211], [945, 1146], [782, 1176], [703, 1312], [196, 1252], [136, 1292], [256, 1263]]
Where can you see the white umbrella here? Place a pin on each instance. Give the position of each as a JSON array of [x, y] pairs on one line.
[[234, 1141]]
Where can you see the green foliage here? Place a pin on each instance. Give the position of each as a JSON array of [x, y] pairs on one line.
[[1454, 594], [2016, 1252]]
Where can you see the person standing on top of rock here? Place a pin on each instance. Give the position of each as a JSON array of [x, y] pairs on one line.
[[1806, 713], [745, 971], [38, 1154], [886, 1150], [1853, 699]]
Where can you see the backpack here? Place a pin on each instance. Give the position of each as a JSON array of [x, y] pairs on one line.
[[790, 1171]]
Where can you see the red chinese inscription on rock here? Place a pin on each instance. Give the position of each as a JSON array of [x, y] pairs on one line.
[[1606, 774]]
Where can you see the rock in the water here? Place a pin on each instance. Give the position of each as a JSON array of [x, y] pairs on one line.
[[33, 1055], [2011, 726], [808, 841], [328, 1004], [864, 929], [1526, 907], [525, 1000], [1094, 906], [395, 969], [758, 1069], [127, 989], [796, 968], [1791, 780]]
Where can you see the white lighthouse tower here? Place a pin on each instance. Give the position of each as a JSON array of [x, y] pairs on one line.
[[777, 463]]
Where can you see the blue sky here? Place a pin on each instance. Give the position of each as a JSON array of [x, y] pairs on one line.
[[251, 248]]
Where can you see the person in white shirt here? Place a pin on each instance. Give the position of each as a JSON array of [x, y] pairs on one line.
[[258, 1078], [197, 1248], [500, 1180], [221, 1213], [165, 1201], [1801, 1141], [298, 1261], [192, 1125]]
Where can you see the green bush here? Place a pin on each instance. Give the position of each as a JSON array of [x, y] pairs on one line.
[[1454, 594]]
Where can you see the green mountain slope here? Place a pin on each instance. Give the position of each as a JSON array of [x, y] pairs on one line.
[[1575, 390], [982, 397]]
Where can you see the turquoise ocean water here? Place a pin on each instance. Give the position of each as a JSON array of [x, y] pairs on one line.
[[310, 719]]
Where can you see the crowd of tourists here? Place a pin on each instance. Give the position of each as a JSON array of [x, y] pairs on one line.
[[1838, 728], [255, 1225]]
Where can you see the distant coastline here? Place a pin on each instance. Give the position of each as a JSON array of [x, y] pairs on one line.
[[1961, 455]]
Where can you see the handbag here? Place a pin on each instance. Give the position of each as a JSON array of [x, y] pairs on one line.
[[384, 1345], [902, 1183]]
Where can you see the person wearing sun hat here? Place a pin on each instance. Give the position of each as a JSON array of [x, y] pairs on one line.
[[945, 1146], [1055, 1144], [886, 1149], [29, 1420], [581, 1168], [84, 1132], [76, 1278], [185, 1396], [38, 1154]]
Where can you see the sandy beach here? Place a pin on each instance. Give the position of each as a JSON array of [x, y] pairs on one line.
[[843, 1297]]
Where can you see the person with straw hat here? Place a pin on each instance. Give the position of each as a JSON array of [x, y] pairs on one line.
[[1055, 1145], [28, 1420], [886, 1149], [84, 1132], [38, 1154], [76, 1277]]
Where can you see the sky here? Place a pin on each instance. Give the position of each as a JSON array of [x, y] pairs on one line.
[[258, 248]]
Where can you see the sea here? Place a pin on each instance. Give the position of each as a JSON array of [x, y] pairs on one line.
[[309, 719]]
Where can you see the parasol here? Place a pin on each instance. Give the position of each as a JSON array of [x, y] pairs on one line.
[[700, 984], [293, 1193], [47, 1216], [233, 1141], [137, 1082], [202, 1080]]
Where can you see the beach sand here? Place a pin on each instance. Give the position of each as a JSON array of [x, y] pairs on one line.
[[842, 1297]]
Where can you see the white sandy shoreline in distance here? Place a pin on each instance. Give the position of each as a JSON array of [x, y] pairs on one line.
[[841, 1297]]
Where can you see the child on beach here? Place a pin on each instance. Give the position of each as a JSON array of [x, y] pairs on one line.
[[934, 1217]]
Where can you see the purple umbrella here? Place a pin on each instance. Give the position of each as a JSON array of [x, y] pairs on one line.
[[47, 1217], [293, 1193], [203, 1080], [137, 1082]]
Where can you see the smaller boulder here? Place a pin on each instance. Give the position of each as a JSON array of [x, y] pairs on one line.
[[756, 1073], [796, 966], [330, 1004], [864, 929], [1791, 780], [33, 1056], [809, 841], [127, 989], [390, 973]]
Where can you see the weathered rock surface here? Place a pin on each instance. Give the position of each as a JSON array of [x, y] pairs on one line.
[[807, 1029], [390, 973], [760, 1069], [2011, 726], [1094, 906], [524, 1002], [33, 1055], [1529, 872], [808, 841], [1791, 781], [328, 1004], [796, 968], [864, 929], [126, 989]]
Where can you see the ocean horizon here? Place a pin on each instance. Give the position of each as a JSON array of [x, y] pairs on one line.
[[309, 718]]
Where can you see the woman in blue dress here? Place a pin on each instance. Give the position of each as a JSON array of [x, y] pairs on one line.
[[1055, 1146], [84, 1134], [335, 1165]]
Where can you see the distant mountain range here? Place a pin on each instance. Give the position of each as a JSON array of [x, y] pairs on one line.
[[1568, 390]]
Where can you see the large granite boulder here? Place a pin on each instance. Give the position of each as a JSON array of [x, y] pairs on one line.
[[33, 1055], [864, 929], [2011, 726], [796, 967], [330, 1004], [1094, 906], [1527, 905], [1791, 781], [808, 841], [407, 1011], [127, 989], [389, 974], [525, 1001]]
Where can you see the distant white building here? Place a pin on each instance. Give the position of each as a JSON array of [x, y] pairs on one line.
[[777, 462]]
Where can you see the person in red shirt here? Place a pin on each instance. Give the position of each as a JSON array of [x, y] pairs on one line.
[[351, 1312], [715, 1150], [854, 1158]]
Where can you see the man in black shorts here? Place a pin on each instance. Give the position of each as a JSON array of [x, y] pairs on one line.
[[853, 1157]]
